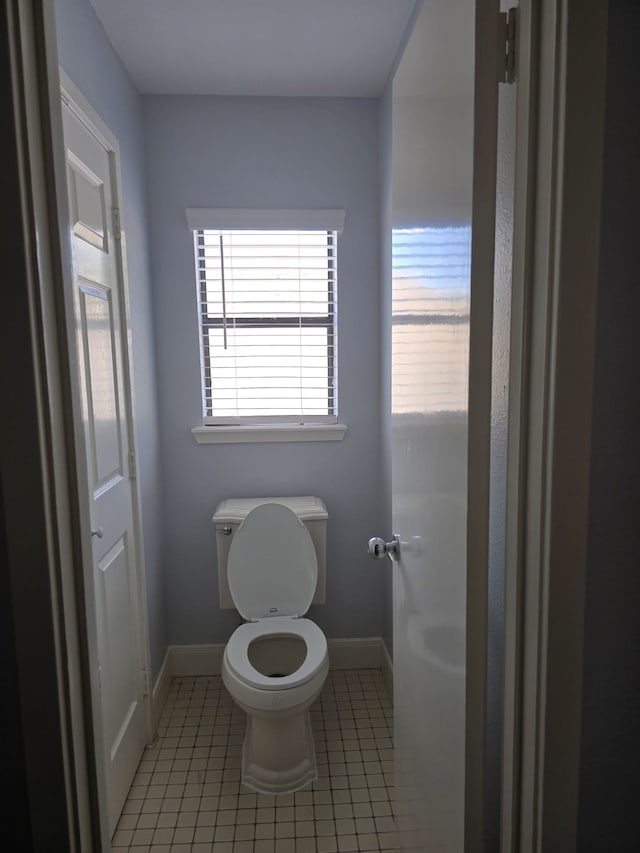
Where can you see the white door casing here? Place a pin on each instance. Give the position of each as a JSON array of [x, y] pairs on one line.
[[114, 578]]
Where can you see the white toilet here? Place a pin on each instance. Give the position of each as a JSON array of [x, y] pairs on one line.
[[271, 566]]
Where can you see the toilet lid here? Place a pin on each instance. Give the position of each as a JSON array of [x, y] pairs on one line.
[[272, 567]]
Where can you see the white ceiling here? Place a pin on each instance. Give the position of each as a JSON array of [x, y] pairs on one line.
[[339, 48]]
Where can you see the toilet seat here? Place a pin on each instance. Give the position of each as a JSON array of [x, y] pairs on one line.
[[237, 651]]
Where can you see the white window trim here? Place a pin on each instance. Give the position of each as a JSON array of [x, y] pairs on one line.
[[247, 219], [261, 433], [214, 218]]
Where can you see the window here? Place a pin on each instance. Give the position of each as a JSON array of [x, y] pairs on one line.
[[267, 312]]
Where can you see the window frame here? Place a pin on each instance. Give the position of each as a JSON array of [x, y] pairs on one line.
[[220, 220]]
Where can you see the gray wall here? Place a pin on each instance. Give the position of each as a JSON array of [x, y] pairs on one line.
[[609, 818], [87, 57], [266, 152]]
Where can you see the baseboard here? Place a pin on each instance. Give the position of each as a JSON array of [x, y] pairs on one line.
[[353, 653], [161, 690], [206, 659], [387, 667], [197, 660]]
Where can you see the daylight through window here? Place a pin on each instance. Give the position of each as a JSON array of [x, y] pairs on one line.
[[267, 325]]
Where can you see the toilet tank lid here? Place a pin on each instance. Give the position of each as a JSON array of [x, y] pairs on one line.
[[235, 510]]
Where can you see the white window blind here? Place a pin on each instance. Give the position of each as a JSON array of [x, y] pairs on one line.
[[267, 301]]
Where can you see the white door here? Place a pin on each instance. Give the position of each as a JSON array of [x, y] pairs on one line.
[[98, 301], [432, 177]]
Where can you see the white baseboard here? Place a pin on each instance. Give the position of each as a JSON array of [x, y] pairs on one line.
[[206, 659], [161, 690], [353, 653], [387, 667], [197, 660]]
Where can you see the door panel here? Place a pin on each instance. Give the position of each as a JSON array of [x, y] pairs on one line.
[[87, 204], [118, 680], [103, 421], [113, 576], [432, 172]]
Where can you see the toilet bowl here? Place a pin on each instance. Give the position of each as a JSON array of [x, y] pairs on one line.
[[274, 665]]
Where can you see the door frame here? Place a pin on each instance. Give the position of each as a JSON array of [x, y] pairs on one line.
[[73, 98], [483, 237], [555, 282], [43, 517]]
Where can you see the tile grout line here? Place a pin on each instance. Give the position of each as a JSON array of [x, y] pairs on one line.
[[187, 796]]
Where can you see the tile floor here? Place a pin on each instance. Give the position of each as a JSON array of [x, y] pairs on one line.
[[187, 796]]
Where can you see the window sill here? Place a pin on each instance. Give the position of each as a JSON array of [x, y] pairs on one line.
[[262, 434]]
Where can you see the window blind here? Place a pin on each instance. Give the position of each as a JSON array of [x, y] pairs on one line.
[[267, 302]]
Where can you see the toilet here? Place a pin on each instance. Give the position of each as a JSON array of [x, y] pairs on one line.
[[271, 566]]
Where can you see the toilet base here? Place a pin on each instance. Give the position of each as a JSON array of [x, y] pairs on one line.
[[278, 756]]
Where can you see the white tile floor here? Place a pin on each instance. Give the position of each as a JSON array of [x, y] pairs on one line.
[[187, 796]]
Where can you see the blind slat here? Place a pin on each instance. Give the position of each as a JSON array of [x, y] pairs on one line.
[[267, 320]]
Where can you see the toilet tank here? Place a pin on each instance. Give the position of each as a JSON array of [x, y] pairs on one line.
[[228, 516]]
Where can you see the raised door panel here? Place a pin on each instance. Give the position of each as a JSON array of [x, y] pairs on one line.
[[87, 204], [104, 424], [118, 679]]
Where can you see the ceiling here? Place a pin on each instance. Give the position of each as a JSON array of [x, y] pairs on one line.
[[342, 48]]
